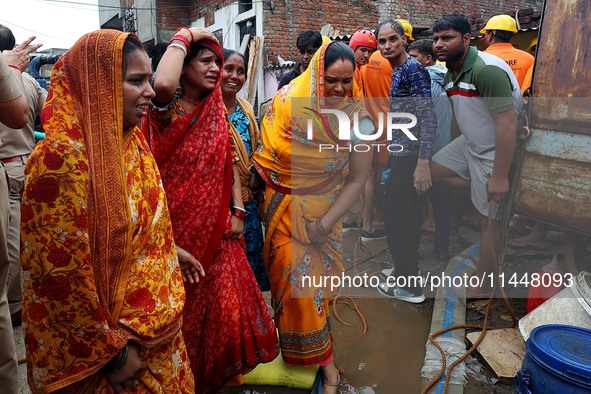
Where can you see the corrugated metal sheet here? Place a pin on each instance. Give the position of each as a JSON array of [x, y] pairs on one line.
[[555, 181], [555, 178]]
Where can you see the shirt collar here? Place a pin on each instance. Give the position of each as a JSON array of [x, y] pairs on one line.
[[468, 61], [500, 45]]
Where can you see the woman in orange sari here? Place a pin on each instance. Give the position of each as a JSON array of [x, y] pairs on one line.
[[226, 322], [103, 291], [306, 197]]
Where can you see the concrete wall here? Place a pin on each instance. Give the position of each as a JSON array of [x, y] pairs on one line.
[[109, 11], [146, 20], [226, 20]]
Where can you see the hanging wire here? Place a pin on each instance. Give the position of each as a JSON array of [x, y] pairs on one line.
[[171, 7]]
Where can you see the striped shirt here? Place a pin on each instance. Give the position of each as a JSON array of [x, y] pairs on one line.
[[485, 86]]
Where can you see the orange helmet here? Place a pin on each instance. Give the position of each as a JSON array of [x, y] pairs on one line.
[[364, 38]]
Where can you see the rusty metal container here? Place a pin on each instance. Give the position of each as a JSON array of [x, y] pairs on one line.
[[554, 183]]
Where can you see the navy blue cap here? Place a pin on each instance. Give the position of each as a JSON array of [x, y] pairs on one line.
[[565, 349]]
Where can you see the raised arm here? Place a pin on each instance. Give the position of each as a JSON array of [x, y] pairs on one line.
[[168, 72], [17, 111]]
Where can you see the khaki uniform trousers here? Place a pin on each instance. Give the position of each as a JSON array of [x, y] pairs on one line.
[[8, 366]]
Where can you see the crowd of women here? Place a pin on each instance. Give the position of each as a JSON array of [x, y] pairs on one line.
[[143, 257]]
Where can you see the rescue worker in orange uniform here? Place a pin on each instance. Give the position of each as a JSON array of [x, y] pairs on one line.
[[363, 44], [498, 32]]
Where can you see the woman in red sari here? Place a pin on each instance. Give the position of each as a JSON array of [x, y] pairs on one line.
[[103, 295], [227, 325]]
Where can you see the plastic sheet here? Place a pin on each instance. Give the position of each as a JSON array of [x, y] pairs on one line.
[[454, 349]]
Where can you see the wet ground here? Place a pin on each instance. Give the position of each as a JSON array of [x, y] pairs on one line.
[[389, 356]]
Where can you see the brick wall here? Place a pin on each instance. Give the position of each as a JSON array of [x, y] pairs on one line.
[[284, 20], [424, 12], [206, 9], [169, 18], [170, 14], [289, 18]]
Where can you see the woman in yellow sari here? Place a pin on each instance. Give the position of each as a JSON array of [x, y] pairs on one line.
[[306, 196], [103, 291]]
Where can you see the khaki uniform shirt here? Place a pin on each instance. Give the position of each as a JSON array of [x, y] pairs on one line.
[[22, 141]]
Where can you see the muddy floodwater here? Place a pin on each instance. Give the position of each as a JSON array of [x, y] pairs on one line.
[[389, 356]]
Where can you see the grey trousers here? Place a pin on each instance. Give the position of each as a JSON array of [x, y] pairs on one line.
[[8, 366]]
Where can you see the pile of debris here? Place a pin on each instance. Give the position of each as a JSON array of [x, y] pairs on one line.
[[526, 18]]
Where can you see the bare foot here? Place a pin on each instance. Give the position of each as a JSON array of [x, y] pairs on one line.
[[478, 293], [428, 226], [369, 229], [378, 225], [530, 241], [330, 379]]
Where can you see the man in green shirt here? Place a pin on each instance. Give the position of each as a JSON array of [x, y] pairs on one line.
[[486, 98]]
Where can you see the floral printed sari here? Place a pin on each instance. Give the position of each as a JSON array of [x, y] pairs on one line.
[[99, 264], [296, 171]]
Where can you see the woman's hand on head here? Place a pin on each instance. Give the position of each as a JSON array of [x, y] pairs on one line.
[[191, 269], [127, 375], [199, 33]]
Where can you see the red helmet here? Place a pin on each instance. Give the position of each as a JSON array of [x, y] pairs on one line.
[[363, 37]]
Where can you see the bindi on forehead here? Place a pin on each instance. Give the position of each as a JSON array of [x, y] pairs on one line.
[[235, 59]]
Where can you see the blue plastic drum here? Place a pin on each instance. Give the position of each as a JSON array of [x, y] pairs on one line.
[[557, 360]]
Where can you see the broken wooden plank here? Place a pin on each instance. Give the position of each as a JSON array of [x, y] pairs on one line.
[[244, 44], [257, 70], [325, 30], [255, 54], [502, 351]]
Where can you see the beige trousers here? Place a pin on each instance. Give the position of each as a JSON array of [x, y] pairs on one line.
[[16, 186], [8, 366]]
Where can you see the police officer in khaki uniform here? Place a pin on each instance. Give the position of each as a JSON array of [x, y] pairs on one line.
[[17, 145], [14, 112]]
